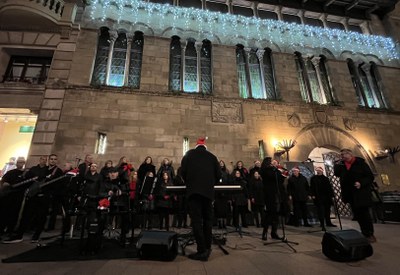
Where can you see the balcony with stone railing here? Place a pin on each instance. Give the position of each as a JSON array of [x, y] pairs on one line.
[[52, 8]]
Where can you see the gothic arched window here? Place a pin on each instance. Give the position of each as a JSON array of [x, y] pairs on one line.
[[119, 59], [367, 83], [194, 72], [241, 70], [100, 67], [313, 79], [190, 75], [135, 65], [117, 70], [175, 57], [255, 73], [269, 75], [206, 68]]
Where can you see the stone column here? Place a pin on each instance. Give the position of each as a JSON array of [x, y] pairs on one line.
[[323, 19], [345, 23], [113, 38], [260, 56], [367, 69], [278, 10], [301, 15], [254, 6], [129, 37], [246, 59], [315, 61], [198, 46], [229, 4]]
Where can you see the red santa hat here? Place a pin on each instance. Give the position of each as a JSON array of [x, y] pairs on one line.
[[296, 168], [319, 168], [201, 141]]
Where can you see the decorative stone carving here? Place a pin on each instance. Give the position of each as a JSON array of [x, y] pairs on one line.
[[349, 124], [321, 117], [226, 112], [294, 120]]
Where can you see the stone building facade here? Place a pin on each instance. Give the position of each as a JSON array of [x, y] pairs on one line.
[[155, 121]]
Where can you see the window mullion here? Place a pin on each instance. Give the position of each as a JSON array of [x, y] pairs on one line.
[[183, 66], [198, 46]]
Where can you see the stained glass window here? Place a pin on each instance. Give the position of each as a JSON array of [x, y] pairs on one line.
[[175, 64], [325, 80], [100, 67], [269, 75], [356, 82], [367, 83], [117, 70], [206, 73], [257, 90], [313, 79], [190, 76], [241, 71], [300, 76], [135, 64]]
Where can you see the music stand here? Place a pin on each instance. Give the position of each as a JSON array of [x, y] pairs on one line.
[[283, 238]]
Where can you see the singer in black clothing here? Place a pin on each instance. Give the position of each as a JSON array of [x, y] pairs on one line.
[[201, 171], [356, 179], [275, 196], [299, 192], [118, 190], [322, 193]]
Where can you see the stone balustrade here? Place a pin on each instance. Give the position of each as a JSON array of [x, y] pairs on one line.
[[53, 8]]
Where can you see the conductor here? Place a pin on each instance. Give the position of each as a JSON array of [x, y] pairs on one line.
[[200, 172]]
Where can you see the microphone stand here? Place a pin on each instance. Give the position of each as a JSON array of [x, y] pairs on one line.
[[284, 238]]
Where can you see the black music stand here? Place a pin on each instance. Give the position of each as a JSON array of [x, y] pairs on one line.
[[283, 238]]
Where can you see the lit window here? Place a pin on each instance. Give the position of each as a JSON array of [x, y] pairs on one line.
[[313, 79], [119, 59], [101, 144], [368, 84], [255, 73], [185, 145], [192, 74]]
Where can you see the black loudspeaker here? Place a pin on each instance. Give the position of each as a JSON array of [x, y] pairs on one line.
[[157, 245], [346, 246]]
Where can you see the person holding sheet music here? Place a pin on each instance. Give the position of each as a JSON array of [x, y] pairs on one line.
[[11, 202], [36, 207]]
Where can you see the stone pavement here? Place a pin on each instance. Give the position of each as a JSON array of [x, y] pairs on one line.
[[247, 255]]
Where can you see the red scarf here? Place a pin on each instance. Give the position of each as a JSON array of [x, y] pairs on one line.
[[349, 163]]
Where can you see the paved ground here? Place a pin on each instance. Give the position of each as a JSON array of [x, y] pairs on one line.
[[247, 255]]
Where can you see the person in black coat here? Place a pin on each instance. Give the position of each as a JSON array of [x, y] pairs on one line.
[[356, 179], [240, 200], [146, 167], [322, 193], [274, 196], [256, 190], [299, 192], [221, 205], [200, 172]]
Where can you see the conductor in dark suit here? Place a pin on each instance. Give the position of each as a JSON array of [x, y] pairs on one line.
[[200, 172]]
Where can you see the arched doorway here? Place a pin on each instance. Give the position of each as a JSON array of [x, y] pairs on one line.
[[321, 143]]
